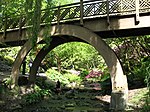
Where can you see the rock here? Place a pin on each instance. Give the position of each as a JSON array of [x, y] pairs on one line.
[[71, 93], [15, 107], [50, 83], [72, 85]]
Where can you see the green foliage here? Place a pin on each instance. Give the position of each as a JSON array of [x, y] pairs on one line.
[[134, 55], [36, 96], [84, 73], [75, 55], [12, 8], [44, 84], [32, 10], [7, 81], [146, 106], [142, 70], [147, 72], [73, 77], [37, 18], [132, 52], [105, 77], [62, 2], [7, 55], [65, 78], [140, 96], [11, 51], [9, 60], [55, 76]]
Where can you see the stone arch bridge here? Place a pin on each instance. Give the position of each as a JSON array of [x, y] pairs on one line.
[[89, 21]]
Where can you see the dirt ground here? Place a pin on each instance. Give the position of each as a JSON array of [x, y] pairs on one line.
[[90, 99], [78, 100]]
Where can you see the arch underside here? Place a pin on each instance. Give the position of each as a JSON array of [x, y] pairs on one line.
[[56, 41], [74, 33]]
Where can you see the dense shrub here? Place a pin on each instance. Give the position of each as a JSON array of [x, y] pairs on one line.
[[55, 76], [84, 73], [72, 77], [36, 96], [9, 60]]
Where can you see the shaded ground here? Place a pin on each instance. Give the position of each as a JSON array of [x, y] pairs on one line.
[[89, 99], [77, 100]]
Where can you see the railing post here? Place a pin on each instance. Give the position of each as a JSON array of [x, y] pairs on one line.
[[107, 10], [137, 21], [81, 12], [20, 26], [58, 15], [5, 27]]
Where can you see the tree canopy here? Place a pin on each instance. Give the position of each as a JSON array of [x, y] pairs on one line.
[[75, 55], [31, 10]]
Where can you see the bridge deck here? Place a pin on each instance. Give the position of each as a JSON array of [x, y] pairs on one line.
[[108, 18]]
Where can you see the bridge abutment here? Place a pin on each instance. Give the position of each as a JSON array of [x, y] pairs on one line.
[[119, 94], [118, 101]]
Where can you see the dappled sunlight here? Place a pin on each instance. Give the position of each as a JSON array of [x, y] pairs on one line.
[[19, 60], [87, 77]]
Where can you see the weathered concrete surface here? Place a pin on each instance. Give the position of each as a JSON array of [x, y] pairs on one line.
[[119, 100], [119, 26]]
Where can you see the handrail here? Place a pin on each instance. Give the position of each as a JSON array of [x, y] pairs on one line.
[[92, 8]]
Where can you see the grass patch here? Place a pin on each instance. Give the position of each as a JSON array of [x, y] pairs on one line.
[[139, 97]]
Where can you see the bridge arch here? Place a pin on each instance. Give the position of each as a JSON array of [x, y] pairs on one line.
[[118, 79], [56, 41]]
